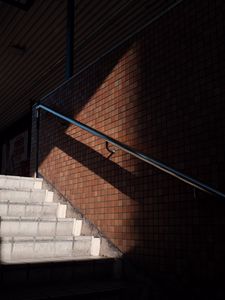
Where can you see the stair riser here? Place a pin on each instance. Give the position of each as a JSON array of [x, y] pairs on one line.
[[26, 196], [20, 183], [32, 210], [44, 249], [35, 228]]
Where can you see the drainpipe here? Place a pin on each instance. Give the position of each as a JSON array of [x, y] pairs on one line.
[[69, 38]]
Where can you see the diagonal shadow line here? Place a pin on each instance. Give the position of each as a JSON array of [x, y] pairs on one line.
[[73, 95], [120, 178]]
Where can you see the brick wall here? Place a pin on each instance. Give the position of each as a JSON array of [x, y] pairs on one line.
[[161, 93]]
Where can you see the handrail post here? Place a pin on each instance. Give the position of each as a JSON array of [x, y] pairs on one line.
[[37, 117]]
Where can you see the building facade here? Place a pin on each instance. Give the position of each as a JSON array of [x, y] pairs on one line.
[[150, 75]]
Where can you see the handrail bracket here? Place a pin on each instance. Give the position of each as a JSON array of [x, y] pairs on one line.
[[111, 151]]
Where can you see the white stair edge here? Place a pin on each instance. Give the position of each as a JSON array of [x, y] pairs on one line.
[[61, 210], [49, 196], [77, 225], [95, 246], [38, 184]]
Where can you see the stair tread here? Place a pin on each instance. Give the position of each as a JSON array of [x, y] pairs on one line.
[[29, 203], [48, 219], [21, 189], [45, 238], [20, 177], [53, 259], [33, 227]]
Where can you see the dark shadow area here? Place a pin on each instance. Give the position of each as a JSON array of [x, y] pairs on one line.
[[126, 182], [87, 279], [175, 237], [166, 85], [71, 98], [182, 124], [15, 148]]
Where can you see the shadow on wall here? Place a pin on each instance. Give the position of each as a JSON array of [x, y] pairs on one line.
[[182, 124], [161, 94], [121, 179]]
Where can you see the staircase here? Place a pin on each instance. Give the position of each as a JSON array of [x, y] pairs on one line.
[[35, 228], [43, 253]]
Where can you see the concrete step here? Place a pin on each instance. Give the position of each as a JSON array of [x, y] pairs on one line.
[[48, 260], [28, 226], [26, 209], [27, 195], [17, 248], [33, 229], [17, 182]]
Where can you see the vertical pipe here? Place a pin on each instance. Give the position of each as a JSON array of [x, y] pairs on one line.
[[70, 38], [37, 115]]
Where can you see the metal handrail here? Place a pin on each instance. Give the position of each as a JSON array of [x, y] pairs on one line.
[[157, 164]]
